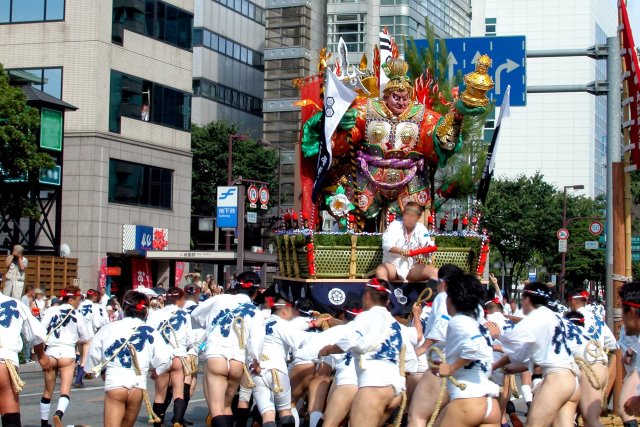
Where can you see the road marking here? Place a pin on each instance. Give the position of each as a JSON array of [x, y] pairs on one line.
[[57, 392]]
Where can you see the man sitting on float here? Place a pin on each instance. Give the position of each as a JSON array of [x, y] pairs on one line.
[[404, 244]]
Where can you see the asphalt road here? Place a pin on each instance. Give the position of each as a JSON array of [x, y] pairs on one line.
[[86, 404]]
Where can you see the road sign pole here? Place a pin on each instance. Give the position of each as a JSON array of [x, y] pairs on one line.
[[240, 245], [614, 126]]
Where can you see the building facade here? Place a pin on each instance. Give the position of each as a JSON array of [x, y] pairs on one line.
[[127, 66], [359, 22], [562, 135], [228, 63]]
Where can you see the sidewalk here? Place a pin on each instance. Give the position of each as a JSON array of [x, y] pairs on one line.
[[28, 368]]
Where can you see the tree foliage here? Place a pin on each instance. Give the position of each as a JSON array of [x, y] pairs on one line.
[[209, 144], [20, 159], [523, 215]]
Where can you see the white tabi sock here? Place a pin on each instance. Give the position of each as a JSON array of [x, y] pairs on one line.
[[296, 416], [526, 392], [314, 418]]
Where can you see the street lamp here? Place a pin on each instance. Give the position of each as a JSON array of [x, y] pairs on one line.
[[564, 225], [233, 137], [265, 143]]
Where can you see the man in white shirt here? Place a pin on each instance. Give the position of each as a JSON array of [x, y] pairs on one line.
[[399, 240]]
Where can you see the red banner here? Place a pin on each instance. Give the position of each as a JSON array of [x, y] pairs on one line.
[[309, 91], [179, 272], [103, 273], [141, 273], [632, 80]]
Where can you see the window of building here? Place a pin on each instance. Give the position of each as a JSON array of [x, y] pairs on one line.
[[351, 28], [245, 8], [144, 100], [51, 79], [139, 185], [227, 96], [152, 18], [224, 46], [16, 11]]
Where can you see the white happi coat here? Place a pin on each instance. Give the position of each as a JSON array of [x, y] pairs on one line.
[[174, 325], [150, 347], [394, 237], [16, 319], [65, 328], [220, 315], [595, 329], [468, 339], [542, 338], [375, 340]]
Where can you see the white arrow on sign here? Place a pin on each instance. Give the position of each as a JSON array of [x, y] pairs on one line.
[[476, 57], [509, 66], [451, 62]]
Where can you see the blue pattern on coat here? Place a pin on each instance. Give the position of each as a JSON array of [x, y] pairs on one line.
[[138, 340]]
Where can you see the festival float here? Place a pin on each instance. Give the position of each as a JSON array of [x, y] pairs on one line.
[[364, 154]]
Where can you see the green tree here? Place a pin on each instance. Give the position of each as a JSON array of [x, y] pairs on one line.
[[209, 144], [463, 172], [522, 216], [20, 159]]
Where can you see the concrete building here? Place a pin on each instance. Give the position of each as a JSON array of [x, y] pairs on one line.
[[360, 22], [295, 33], [228, 64], [561, 135], [127, 66]]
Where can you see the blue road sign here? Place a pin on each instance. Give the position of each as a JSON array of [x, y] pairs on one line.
[[509, 59], [227, 207]]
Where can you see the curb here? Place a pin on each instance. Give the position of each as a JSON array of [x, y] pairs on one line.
[[29, 368]]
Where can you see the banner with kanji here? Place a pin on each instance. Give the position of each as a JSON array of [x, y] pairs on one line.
[[630, 58], [141, 273]]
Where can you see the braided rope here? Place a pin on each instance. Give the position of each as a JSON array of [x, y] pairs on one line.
[[595, 350], [187, 362], [322, 319], [238, 328], [422, 298], [513, 386], [17, 382], [403, 401], [443, 384], [153, 418]]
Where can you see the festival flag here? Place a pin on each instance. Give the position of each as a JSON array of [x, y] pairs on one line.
[[632, 102], [490, 163], [337, 100], [385, 54]]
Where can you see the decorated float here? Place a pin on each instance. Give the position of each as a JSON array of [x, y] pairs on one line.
[[371, 142]]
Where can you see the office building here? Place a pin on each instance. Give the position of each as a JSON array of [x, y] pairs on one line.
[[360, 22], [562, 135], [228, 64], [126, 177]]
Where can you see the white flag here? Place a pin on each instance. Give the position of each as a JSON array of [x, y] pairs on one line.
[[337, 100], [385, 54]]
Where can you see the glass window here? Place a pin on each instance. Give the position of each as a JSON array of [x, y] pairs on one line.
[[243, 54], [236, 51], [198, 37], [250, 57], [238, 6], [55, 10], [245, 7], [141, 185], [214, 41], [171, 25], [229, 48], [27, 11], [222, 42], [53, 82]]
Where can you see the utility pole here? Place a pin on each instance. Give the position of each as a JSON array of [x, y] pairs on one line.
[[615, 169]]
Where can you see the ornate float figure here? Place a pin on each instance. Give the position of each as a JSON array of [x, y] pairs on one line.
[[397, 142]]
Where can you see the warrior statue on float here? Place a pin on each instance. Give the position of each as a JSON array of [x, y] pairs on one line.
[[387, 148]]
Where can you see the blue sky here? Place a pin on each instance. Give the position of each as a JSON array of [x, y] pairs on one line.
[[633, 7]]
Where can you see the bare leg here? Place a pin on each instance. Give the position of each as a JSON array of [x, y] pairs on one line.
[[629, 387], [319, 387], [422, 273], [9, 399], [548, 406], [115, 404], [134, 403], [424, 399], [339, 404], [369, 406], [216, 385], [161, 386], [300, 376], [386, 272], [590, 398], [412, 383], [233, 384]]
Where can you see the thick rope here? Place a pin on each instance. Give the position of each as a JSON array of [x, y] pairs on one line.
[[403, 401], [443, 384], [98, 368], [513, 386], [322, 319], [17, 382], [238, 328], [187, 364], [153, 418], [422, 298], [594, 350], [277, 385]]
